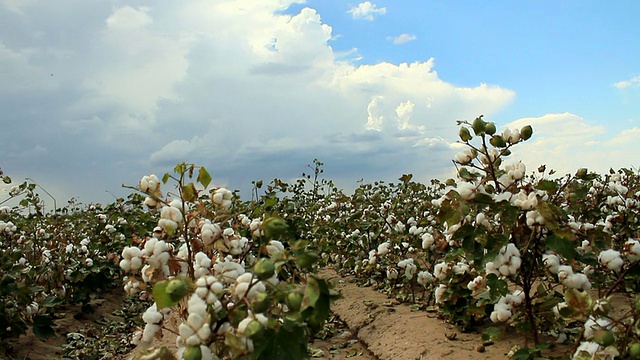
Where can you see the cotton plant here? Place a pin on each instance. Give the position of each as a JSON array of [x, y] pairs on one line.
[[217, 268]]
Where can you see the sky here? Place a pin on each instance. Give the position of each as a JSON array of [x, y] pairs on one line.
[[96, 94]]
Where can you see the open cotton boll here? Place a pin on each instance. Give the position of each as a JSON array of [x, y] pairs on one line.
[[475, 283], [392, 274], [427, 240], [577, 281], [439, 293], [274, 246], [632, 247], [425, 278], [592, 325], [383, 249], [611, 259], [552, 262], [466, 190], [440, 270], [589, 346]]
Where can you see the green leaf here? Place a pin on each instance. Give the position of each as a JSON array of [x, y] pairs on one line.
[[311, 292], [498, 287], [491, 333], [43, 327], [161, 297], [562, 246], [189, 192], [203, 177], [180, 168], [165, 178], [51, 301], [547, 185]]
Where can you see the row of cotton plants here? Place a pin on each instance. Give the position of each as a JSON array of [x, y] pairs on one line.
[[501, 244], [235, 287], [49, 261]]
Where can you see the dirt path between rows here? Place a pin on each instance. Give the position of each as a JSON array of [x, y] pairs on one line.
[[395, 331], [377, 328]]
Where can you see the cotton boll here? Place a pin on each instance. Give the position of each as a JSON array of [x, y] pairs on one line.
[[392, 274], [592, 325], [577, 281], [427, 240], [611, 259], [439, 293], [274, 246], [383, 248], [564, 271], [552, 262], [589, 346], [440, 270], [632, 247], [424, 278]]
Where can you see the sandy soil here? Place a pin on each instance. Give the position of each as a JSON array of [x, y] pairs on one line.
[[394, 331], [29, 347], [376, 328]]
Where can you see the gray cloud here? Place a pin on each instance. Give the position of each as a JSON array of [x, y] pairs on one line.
[[106, 93]]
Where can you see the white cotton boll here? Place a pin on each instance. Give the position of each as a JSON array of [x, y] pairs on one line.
[[475, 283], [194, 320], [151, 315], [197, 306], [204, 332], [577, 281], [241, 289], [440, 270], [202, 292], [633, 249], [425, 278], [245, 278], [564, 271], [149, 332], [460, 268], [503, 314], [589, 346], [427, 240], [202, 282], [257, 288], [512, 250], [611, 259], [439, 293], [242, 326], [383, 248], [169, 226], [217, 288], [193, 340], [592, 325], [392, 274], [490, 268], [552, 262], [125, 265], [211, 299], [274, 246], [504, 270], [466, 190]]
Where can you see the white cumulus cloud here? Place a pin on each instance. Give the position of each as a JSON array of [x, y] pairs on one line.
[[367, 11], [634, 81], [401, 39]]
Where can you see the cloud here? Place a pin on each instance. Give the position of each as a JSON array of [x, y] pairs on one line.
[[634, 81], [566, 142], [401, 39], [127, 18], [367, 11], [237, 86]]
